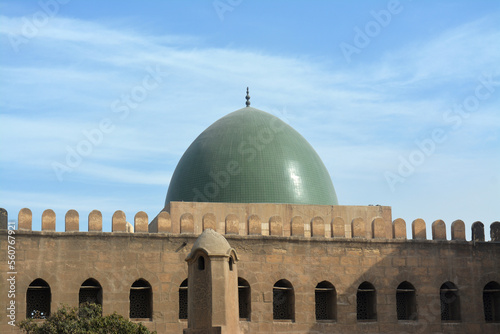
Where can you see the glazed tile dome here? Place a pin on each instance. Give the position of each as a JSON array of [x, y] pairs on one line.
[[250, 156]]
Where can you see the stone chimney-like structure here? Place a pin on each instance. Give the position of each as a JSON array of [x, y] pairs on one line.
[[212, 286]]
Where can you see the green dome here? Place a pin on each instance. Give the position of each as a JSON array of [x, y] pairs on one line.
[[250, 156]]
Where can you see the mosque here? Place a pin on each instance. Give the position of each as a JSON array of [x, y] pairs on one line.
[[252, 240]]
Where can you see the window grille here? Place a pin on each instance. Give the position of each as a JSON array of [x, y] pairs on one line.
[[283, 301], [183, 300], [366, 302], [491, 302], [244, 301], [450, 302], [140, 300], [325, 298], [90, 292], [38, 299], [406, 302]]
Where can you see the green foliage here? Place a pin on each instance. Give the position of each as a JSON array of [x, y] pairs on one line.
[[86, 319]]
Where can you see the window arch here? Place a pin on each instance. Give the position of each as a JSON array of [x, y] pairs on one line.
[[141, 300], [90, 292], [283, 301], [366, 301], [244, 299], [183, 300], [406, 301], [38, 298], [450, 302], [326, 301], [491, 302]]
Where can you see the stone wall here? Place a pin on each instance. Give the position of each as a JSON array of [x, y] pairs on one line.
[[117, 259]]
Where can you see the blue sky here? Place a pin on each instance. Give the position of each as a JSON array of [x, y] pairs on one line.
[[400, 99]]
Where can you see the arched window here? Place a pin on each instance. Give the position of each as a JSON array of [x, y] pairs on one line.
[[491, 302], [283, 301], [38, 299], [90, 292], [406, 302], [183, 300], [244, 299], [326, 301], [366, 302], [141, 300], [231, 261], [450, 302]]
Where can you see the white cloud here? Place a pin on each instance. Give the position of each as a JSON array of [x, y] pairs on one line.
[[360, 119]]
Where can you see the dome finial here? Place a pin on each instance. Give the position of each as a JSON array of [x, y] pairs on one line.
[[248, 99]]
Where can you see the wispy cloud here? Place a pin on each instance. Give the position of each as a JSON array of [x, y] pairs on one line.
[[359, 118]]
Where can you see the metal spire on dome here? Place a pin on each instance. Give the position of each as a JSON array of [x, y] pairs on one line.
[[248, 99]]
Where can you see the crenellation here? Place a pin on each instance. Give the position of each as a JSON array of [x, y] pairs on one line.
[[254, 225], [209, 221], [495, 231], [338, 227], [129, 228], [438, 230], [119, 222], [458, 230], [95, 221], [378, 229], [399, 229], [358, 228], [141, 222], [72, 221], [232, 224], [317, 227], [187, 223], [418, 230], [48, 220], [276, 225], [164, 223], [297, 226], [4, 219], [477, 231]]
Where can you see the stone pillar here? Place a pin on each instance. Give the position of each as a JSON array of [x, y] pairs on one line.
[[213, 286]]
